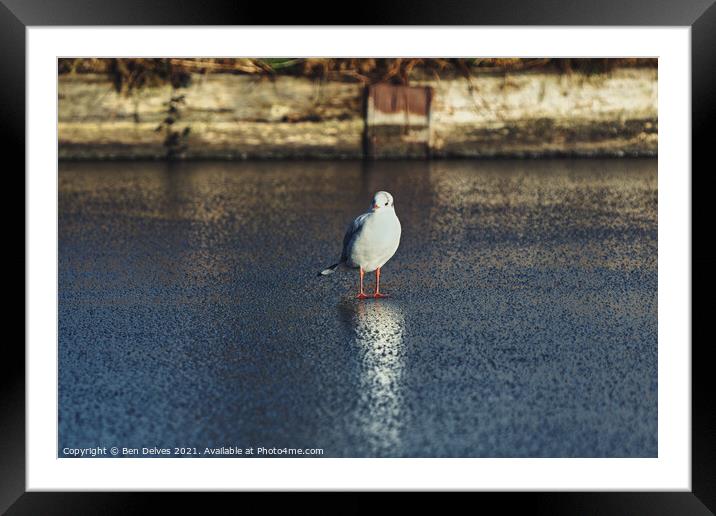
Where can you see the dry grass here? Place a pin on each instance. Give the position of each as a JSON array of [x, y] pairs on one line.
[[129, 74]]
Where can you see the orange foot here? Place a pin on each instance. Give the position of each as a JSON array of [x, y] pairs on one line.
[[362, 296], [378, 295]]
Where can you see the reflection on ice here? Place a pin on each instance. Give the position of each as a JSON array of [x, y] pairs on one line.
[[378, 328]]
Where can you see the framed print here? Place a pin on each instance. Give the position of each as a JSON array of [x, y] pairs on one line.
[[423, 251]]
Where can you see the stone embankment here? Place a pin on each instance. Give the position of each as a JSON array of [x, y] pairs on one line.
[[220, 116]]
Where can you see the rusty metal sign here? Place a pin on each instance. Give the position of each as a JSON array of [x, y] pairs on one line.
[[388, 98]]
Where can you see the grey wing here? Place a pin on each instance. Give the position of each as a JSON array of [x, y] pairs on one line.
[[353, 230]]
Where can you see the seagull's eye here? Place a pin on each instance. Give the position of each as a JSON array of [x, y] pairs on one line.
[[386, 204]]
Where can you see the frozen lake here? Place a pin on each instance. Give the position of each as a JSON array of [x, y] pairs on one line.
[[522, 322]]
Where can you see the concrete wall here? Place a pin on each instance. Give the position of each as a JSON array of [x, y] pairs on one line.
[[242, 116]]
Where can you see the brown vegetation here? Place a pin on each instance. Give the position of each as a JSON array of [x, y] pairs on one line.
[[132, 73]]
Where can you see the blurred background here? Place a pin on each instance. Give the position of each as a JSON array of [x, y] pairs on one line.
[[354, 108]]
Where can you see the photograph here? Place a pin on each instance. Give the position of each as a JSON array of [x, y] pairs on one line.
[[355, 257]]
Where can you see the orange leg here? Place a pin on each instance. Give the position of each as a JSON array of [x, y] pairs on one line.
[[361, 294], [377, 285]]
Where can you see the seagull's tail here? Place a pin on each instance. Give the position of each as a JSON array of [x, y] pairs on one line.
[[329, 270]]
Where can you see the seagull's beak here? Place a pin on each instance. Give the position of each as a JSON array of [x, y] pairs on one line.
[[375, 207]]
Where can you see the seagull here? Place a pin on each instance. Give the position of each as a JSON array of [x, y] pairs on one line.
[[370, 241]]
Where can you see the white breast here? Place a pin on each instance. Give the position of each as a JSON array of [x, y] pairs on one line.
[[377, 241]]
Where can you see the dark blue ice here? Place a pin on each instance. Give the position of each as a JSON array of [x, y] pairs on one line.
[[522, 322]]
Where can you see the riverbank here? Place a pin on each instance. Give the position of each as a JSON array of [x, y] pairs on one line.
[[223, 116]]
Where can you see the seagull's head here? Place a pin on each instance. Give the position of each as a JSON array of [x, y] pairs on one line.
[[382, 201]]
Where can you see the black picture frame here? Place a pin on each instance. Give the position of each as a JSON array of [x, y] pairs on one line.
[[700, 15]]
